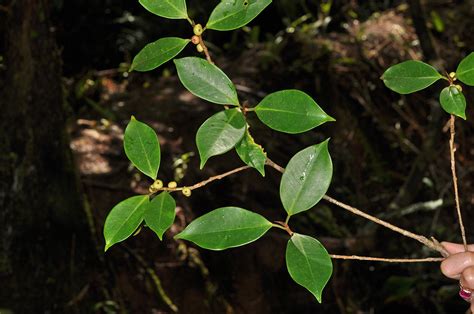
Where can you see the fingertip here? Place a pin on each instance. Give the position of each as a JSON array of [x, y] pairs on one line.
[[453, 248]]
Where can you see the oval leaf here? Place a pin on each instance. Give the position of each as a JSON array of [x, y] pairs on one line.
[[465, 70], [157, 53], [453, 102], [410, 76], [142, 147], [251, 153], [220, 133], [124, 219], [206, 81], [170, 9], [160, 213], [306, 178], [291, 111], [233, 14], [308, 263], [225, 228]]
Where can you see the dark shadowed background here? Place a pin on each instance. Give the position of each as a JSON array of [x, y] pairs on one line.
[[66, 96]]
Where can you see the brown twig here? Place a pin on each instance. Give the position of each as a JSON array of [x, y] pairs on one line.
[[452, 150], [422, 239], [205, 50], [388, 260], [425, 241], [207, 181]]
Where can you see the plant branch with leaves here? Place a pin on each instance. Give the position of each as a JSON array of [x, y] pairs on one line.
[[305, 179]]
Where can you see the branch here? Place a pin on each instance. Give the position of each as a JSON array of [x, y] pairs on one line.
[[388, 260], [452, 150], [434, 245], [205, 182]]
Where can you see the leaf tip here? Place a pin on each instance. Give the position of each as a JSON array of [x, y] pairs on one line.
[[132, 118], [107, 246]]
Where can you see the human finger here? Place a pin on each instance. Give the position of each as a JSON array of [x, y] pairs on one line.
[[455, 264], [467, 278], [454, 248]]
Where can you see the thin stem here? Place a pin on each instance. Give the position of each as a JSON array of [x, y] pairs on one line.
[[207, 181], [205, 50], [387, 260], [452, 150], [429, 243]]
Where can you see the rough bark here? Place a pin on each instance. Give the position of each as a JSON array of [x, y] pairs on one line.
[[41, 216]]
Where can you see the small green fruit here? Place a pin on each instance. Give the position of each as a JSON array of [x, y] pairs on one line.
[[158, 184], [186, 192], [459, 87], [172, 185], [198, 30], [199, 48]]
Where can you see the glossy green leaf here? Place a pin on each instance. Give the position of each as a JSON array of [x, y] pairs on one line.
[[410, 76], [124, 219], [453, 102], [225, 228], [465, 70], [306, 179], [220, 133], [233, 14], [291, 111], [251, 153], [170, 9], [160, 213], [157, 53], [206, 81], [308, 263], [142, 147]]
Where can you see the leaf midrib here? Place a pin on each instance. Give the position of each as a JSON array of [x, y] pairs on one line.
[[266, 225], [205, 79]]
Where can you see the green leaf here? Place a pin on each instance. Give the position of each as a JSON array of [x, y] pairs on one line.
[[308, 263], [251, 153], [410, 76], [306, 178], [220, 133], [465, 70], [206, 81], [233, 14], [160, 213], [291, 111], [453, 102], [170, 9], [124, 219], [225, 228], [142, 147], [157, 53]]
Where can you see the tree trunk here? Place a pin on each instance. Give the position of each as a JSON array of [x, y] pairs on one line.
[[43, 232]]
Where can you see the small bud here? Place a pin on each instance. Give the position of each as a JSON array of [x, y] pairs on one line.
[[195, 40], [452, 75], [199, 48], [172, 185], [198, 30], [459, 87], [186, 192]]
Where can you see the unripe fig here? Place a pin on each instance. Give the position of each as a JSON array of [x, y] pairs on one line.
[[172, 185], [186, 192], [459, 87], [198, 30], [199, 48]]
